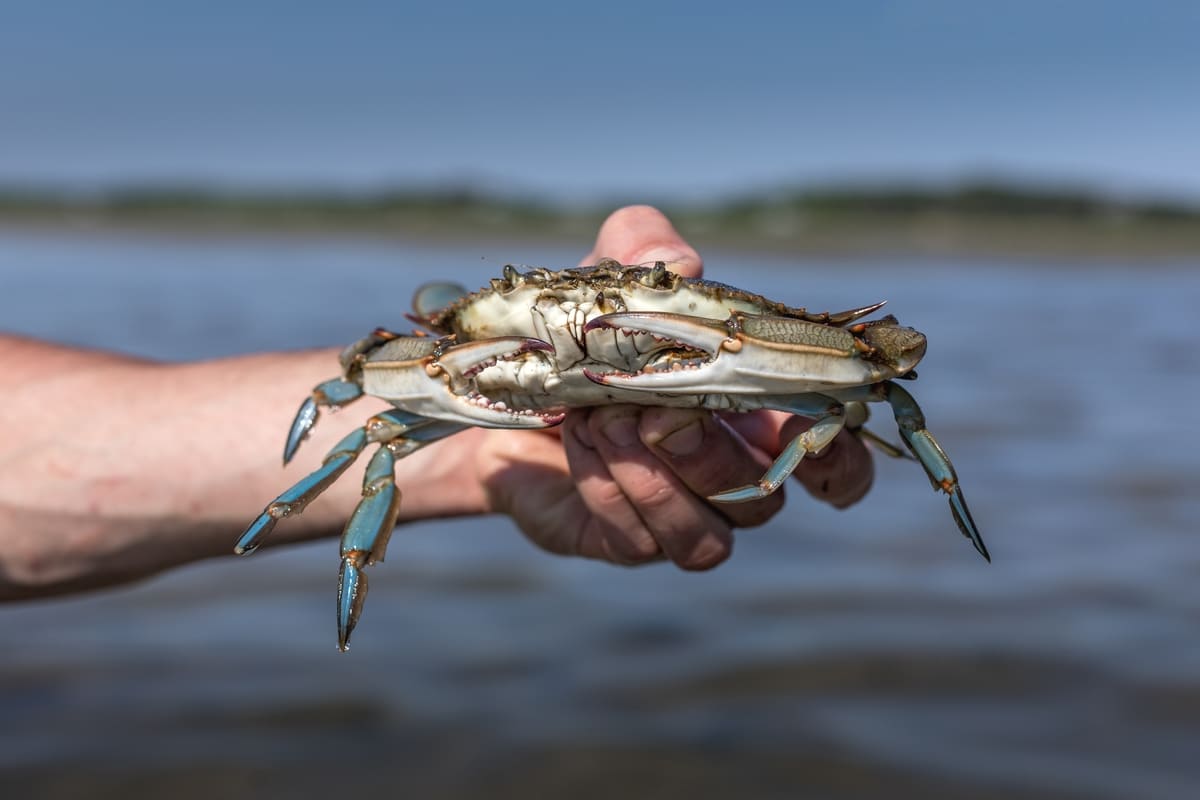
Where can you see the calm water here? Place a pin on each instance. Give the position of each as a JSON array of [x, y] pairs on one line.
[[838, 654]]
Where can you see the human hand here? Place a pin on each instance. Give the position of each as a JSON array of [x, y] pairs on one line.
[[628, 484]]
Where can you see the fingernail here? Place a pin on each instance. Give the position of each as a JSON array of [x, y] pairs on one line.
[[621, 430], [824, 451], [684, 441], [584, 436]]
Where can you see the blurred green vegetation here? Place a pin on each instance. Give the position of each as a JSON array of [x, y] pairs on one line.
[[967, 219]]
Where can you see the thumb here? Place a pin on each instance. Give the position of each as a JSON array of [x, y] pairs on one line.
[[643, 234]]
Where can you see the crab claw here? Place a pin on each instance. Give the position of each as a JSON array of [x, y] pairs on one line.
[[746, 354], [701, 331], [438, 381], [470, 358]]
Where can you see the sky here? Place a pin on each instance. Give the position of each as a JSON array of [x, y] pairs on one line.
[[689, 100]]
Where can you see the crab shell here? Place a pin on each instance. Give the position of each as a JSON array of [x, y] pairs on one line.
[[544, 341]]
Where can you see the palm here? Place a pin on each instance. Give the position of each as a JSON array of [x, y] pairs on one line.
[[525, 474]]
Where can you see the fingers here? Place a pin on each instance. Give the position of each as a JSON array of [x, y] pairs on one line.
[[642, 234], [612, 530], [708, 457], [652, 510], [647, 471], [840, 475]]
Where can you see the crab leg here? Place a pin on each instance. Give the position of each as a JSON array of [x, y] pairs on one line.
[[366, 535], [297, 497], [882, 445], [380, 428], [937, 465], [857, 414], [928, 452], [830, 419], [365, 538], [331, 394]]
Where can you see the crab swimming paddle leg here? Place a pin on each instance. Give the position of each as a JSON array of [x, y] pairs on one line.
[[937, 465]]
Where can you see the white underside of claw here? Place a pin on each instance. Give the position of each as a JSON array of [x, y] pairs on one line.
[[444, 388], [643, 358], [734, 364]]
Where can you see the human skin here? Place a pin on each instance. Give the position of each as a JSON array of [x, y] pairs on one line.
[[114, 468]]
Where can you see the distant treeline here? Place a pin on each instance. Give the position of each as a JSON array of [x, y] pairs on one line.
[[170, 199], [976, 199], [967, 218]]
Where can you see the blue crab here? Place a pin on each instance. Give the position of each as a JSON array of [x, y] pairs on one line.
[[520, 352]]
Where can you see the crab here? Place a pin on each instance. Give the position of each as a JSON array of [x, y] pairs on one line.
[[520, 352]]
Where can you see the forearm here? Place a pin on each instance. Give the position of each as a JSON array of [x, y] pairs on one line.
[[113, 468]]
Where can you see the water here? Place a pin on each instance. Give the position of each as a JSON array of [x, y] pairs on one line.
[[837, 654]]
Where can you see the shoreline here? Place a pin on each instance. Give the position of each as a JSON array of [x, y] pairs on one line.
[[969, 220], [1173, 244]]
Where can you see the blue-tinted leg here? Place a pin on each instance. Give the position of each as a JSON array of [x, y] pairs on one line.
[[933, 459], [382, 427], [365, 538], [857, 414], [330, 394], [366, 535], [296, 498], [829, 421]]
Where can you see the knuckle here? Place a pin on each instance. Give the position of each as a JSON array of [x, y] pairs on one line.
[[656, 498], [659, 424], [633, 547], [710, 473], [605, 495]]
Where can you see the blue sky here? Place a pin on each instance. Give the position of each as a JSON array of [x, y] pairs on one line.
[[596, 100]]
